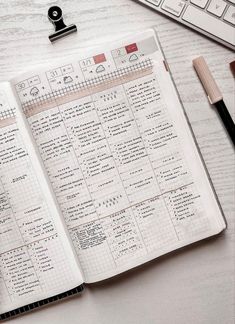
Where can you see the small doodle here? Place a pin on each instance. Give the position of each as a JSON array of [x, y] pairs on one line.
[[34, 91], [100, 68], [133, 57], [68, 79]]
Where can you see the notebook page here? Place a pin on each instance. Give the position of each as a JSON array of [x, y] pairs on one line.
[[35, 260], [120, 155]]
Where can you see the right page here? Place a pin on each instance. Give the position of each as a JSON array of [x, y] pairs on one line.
[[120, 155]]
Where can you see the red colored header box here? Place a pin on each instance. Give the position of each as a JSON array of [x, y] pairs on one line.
[[99, 58], [131, 48]]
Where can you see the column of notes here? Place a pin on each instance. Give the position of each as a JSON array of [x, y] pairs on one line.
[[9, 232], [32, 258], [63, 141], [90, 242], [179, 194], [123, 236], [19, 274], [62, 165], [107, 190], [126, 144], [47, 259], [154, 223], [94, 156]]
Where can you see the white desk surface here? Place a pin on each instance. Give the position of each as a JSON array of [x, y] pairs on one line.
[[194, 286]]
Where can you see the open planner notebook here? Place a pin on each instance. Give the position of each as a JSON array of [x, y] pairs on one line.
[[99, 172]]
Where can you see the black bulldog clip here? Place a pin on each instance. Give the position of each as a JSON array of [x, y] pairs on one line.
[[55, 16]]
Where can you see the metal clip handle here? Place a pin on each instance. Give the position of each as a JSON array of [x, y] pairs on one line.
[[55, 16]]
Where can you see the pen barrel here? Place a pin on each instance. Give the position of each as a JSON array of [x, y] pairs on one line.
[[226, 119], [207, 80]]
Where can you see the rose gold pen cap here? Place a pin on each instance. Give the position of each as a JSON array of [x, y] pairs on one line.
[[207, 80]]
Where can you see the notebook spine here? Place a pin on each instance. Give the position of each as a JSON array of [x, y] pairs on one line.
[[41, 303]]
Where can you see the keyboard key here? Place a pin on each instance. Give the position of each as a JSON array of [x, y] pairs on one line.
[[200, 3], [217, 7], [155, 2], [175, 7], [230, 15], [211, 24]]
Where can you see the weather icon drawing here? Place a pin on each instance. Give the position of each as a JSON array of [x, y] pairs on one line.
[[68, 79], [34, 91], [100, 68], [133, 57]]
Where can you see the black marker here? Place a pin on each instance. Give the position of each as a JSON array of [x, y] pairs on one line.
[[214, 95]]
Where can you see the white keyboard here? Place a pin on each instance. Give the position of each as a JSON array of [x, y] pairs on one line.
[[213, 18]]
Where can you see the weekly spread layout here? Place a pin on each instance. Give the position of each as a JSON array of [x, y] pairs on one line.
[[99, 172]]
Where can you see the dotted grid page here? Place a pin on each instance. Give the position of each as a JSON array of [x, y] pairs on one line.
[[33, 261], [118, 154]]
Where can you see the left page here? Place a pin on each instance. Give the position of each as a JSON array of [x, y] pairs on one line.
[[36, 259]]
